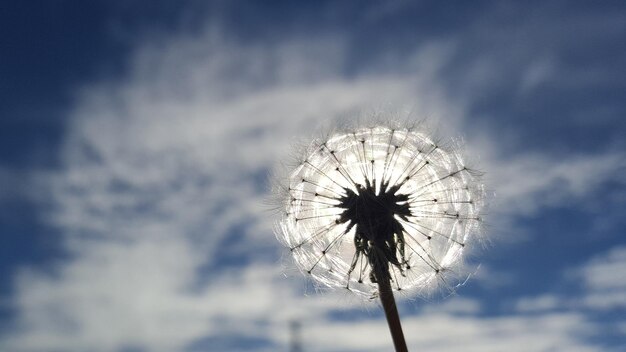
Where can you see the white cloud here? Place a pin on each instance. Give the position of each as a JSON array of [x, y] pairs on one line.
[[541, 303], [143, 301], [112, 294], [603, 278], [491, 277], [539, 71], [526, 183]]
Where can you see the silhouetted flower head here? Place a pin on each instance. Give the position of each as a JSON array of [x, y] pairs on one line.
[[381, 203]]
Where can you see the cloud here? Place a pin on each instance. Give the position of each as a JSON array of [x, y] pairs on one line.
[[603, 280], [601, 283], [541, 303], [160, 202], [255, 302], [113, 294], [541, 181]]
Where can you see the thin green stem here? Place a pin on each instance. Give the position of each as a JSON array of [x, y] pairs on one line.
[[391, 313]]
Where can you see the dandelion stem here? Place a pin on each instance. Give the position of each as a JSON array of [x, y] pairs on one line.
[[391, 313]]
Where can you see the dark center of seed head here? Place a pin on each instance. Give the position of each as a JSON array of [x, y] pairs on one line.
[[378, 233]]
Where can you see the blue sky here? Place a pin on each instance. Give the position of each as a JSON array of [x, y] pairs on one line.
[[135, 140]]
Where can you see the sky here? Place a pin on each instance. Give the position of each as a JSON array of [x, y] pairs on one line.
[[138, 139]]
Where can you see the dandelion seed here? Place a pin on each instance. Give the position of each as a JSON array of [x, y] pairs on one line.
[[381, 208]]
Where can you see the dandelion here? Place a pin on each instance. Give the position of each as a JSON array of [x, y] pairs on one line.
[[381, 208]]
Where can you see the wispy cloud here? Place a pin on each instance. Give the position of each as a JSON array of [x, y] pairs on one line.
[[602, 279]]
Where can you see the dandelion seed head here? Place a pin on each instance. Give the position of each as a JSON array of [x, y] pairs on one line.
[[384, 203]]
